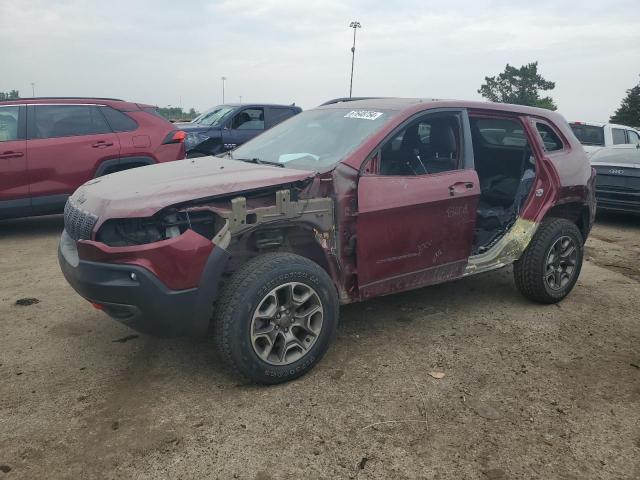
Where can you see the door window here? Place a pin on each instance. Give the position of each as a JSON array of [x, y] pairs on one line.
[[550, 139], [53, 121], [428, 145], [618, 136], [277, 115], [249, 119], [633, 137], [498, 132], [8, 123]]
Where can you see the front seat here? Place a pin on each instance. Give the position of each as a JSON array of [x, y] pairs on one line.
[[410, 159], [242, 118], [443, 147]]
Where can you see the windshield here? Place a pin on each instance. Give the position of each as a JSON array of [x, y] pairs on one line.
[[315, 139], [588, 134], [213, 116]]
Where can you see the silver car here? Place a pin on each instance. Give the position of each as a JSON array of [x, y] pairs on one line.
[[614, 151]]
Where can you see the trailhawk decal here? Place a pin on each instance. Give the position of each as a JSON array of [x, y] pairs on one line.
[[363, 114]]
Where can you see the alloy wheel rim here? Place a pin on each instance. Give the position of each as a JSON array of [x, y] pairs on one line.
[[286, 323], [561, 263]]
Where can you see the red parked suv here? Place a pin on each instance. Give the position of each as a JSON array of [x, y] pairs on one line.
[[339, 204], [51, 146]]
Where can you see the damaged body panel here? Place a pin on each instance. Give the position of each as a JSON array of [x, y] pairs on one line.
[[506, 251], [360, 199], [145, 191]]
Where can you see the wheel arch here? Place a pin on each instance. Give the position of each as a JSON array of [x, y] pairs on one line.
[[576, 212], [119, 164], [297, 238]]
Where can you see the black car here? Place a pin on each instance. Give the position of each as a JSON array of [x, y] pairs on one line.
[[227, 126]]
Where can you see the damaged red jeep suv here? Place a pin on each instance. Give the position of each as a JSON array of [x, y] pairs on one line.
[[339, 204]]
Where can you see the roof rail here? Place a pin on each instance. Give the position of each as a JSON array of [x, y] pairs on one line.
[[62, 98], [346, 99]]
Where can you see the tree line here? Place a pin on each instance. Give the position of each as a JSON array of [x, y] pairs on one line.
[[177, 114], [521, 86], [11, 95]]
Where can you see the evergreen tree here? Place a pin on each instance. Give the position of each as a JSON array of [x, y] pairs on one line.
[[521, 86], [629, 111]]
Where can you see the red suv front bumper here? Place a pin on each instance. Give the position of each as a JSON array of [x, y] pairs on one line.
[[134, 295]]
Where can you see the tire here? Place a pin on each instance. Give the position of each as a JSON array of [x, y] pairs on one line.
[[245, 310], [537, 278]]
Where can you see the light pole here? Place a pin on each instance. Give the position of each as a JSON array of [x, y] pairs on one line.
[[223, 80], [240, 99], [33, 89], [355, 25]]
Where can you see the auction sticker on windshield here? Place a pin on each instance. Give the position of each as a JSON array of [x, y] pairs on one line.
[[363, 114]]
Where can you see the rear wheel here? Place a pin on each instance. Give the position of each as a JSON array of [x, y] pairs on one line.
[[276, 317], [549, 268]]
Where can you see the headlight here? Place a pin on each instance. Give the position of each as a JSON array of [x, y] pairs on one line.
[[120, 232], [194, 139]]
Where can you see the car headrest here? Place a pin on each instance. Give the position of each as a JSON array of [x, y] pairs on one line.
[[443, 138], [410, 139]]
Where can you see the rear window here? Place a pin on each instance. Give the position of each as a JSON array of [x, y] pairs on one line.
[[119, 121], [499, 131], [588, 134]]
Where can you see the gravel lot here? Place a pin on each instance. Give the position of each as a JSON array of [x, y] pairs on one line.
[[529, 391]]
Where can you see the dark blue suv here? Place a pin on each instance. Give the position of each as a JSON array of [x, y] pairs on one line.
[[225, 127]]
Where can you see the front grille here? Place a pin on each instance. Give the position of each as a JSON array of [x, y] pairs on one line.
[[77, 222], [618, 178]]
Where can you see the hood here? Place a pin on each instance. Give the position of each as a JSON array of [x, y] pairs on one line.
[[615, 156], [194, 127], [141, 192]]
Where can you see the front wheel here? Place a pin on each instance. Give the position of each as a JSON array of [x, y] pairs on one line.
[[549, 268], [276, 317]]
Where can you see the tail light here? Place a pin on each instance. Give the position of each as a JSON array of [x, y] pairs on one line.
[[175, 136]]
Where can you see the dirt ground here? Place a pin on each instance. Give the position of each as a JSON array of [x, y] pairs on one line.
[[530, 391]]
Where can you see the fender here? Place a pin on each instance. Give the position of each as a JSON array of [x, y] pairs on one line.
[[212, 146]]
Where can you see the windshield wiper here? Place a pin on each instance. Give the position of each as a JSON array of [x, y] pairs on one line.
[[259, 161]]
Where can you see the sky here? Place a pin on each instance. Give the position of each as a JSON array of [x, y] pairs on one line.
[[284, 51]]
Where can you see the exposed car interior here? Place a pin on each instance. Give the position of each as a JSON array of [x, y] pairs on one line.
[[53, 121], [249, 119], [502, 157], [506, 170], [428, 146], [8, 124]]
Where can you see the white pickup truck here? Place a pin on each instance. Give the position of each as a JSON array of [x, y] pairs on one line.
[[614, 151]]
